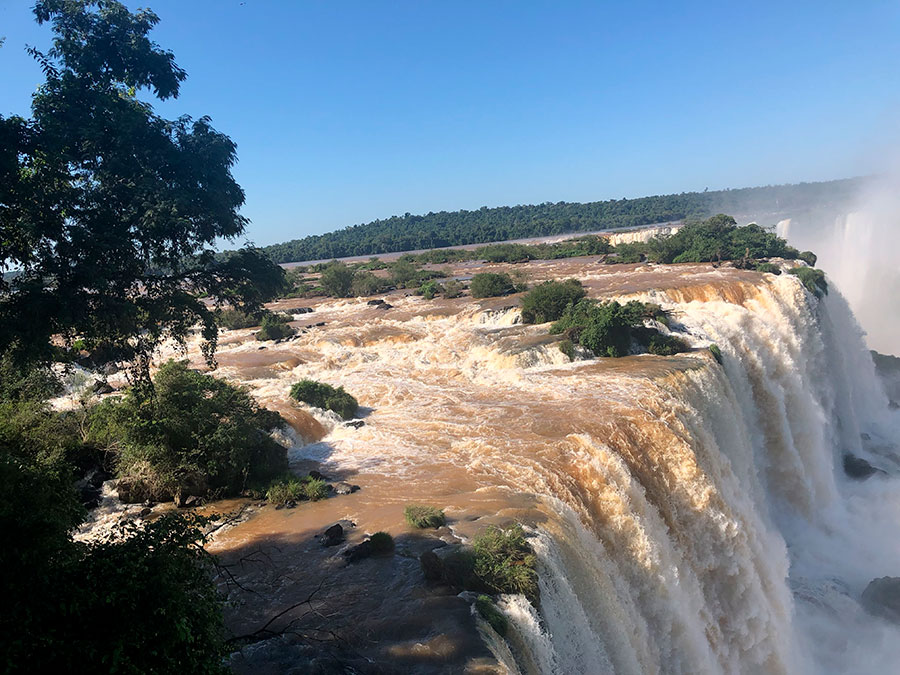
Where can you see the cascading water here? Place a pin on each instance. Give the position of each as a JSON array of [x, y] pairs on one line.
[[697, 520], [688, 517]]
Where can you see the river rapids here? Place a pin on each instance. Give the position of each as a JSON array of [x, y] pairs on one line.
[[688, 517]]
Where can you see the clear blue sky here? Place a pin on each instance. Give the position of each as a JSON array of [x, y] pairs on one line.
[[348, 111]]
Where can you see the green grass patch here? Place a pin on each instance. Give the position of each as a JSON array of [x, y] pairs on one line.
[[424, 516], [505, 562], [492, 614], [813, 279]]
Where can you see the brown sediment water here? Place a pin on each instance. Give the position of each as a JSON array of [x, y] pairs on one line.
[[657, 491]]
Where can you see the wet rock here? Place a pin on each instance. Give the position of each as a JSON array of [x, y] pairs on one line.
[[260, 348], [344, 488], [333, 536], [298, 310], [110, 368], [882, 598], [318, 325], [360, 551], [384, 305], [132, 491], [315, 475], [893, 405], [146, 511], [858, 468], [90, 487], [356, 424], [432, 566], [101, 387], [373, 303], [866, 437], [188, 501]]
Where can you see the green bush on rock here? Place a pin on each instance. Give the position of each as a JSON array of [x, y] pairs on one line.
[[505, 562], [274, 327], [321, 395], [492, 614], [193, 434], [812, 279], [491, 285], [294, 489], [424, 516], [548, 301]]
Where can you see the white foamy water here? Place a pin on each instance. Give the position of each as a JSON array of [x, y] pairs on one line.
[[691, 518]]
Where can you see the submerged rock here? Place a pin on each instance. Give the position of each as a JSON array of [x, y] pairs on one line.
[[356, 424], [882, 598], [858, 468], [344, 488], [378, 301]]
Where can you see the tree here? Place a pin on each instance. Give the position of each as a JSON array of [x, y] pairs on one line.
[[337, 280], [548, 301], [109, 211], [197, 435], [490, 284]]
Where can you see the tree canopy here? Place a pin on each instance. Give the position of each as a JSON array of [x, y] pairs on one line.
[[108, 212], [454, 228]]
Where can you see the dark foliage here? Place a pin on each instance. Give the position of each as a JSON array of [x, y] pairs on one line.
[[608, 329], [110, 212], [813, 280], [321, 395], [548, 301], [411, 232], [491, 284], [195, 435], [274, 327]]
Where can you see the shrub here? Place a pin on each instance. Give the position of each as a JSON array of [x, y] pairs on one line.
[[314, 489], [813, 279], [274, 327], [193, 434], [716, 352], [548, 301], [808, 257], [429, 289], [505, 562], [497, 253], [382, 542], [403, 273], [366, 283], [98, 607], [568, 348], [285, 490], [424, 516], [234, 319], [492, 614], [290, 488], [604, 328], [321, 395], [337, 280], [490, 285], [769, 268], [666, 345], [453, 289]]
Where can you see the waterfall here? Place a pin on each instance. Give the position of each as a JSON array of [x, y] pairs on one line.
[[712, 529]]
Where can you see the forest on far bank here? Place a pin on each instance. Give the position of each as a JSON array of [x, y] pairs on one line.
[[456, 228]]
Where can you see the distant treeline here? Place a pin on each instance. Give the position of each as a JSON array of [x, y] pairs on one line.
[[456, 228]]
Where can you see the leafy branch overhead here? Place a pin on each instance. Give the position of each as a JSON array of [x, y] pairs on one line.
[[110, 212]]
